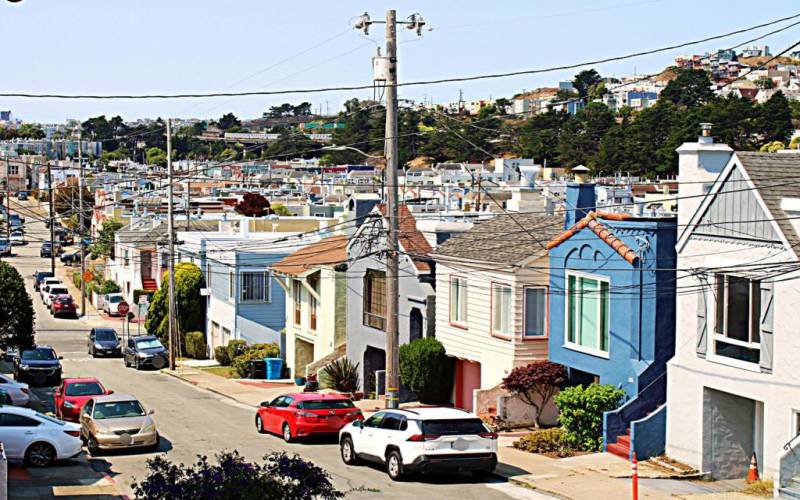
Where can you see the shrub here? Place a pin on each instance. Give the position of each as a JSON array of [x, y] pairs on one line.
[[236, 348], [582, 413], [107, 286], [76, 279], [196, 345], [241, 363], [426, 370], [536, 384], [232, 478], [221, 355], [340, 375], [544, 441]]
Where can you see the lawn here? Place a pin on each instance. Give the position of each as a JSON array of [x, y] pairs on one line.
[[222, 371]]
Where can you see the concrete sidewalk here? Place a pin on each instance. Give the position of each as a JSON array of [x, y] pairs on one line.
[[70, 479]]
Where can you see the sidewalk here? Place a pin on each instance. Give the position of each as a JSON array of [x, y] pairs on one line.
[[73, 480]]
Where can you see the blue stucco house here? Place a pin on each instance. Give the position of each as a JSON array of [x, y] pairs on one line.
[[612, 313]]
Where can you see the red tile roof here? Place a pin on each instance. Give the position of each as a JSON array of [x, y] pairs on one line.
[[411, 240], [600, 230]]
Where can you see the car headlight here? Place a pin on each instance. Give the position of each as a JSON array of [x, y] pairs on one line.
[[68, 405], [145, 355], [24, 367], [147, 429], [97, 345]]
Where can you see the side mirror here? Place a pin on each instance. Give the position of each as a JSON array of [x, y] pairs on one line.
[[61, 357], [151, 412], [358, 423], [265, 404], [110, 392]]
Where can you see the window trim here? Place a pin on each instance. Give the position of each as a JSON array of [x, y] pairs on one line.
[[297, 302], [576, 346], [546, 335], [458, 324], [717, 336], [267, 286], [366, 297], [231, 285], [500, 335], [313, 304]]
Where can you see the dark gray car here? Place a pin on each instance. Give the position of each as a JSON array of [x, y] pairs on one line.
[[145, 350], [104, 342]]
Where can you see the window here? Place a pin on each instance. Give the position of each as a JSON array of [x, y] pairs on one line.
[[394, 422], [535, 312], [737, 316], [588, 313], [375, 299], [255, 286], [375, 420], [126, 261], [226, 335], [502, 310], [13, 170], [14, 420], [297, 294], [313, 282], [231, 284], [458, 300]]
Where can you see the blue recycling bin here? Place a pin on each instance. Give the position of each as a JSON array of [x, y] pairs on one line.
[[274, 368]]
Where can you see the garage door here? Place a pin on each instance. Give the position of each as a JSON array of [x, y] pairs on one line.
[[728, 434]]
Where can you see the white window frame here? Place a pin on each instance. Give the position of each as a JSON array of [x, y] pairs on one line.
[[461, 309], [267, 276], [231, 285], [577, 346], [546, 328], [492, 317], [723, 337]]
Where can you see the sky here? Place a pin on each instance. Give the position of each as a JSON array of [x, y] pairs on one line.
[[174, 46]]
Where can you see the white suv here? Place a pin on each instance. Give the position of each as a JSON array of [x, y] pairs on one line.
[[421, 440]]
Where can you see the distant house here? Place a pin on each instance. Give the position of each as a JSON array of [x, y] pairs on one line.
[[492, 291], [613, 320]]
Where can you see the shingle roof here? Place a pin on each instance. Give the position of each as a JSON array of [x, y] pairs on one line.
[[501, 240], [153, 235], [329, 251], [411, 240], [774, 176]]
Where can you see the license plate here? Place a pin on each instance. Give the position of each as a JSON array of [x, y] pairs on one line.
[[460, 445]]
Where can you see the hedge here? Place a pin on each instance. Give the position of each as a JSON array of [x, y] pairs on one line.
[[582, 413], [255, 352], [426, 369], [221, 355], [196, 345], [235, 348]]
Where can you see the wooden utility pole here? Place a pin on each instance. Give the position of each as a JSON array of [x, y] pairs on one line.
[[171, 237], [81, 222], [51, 194]]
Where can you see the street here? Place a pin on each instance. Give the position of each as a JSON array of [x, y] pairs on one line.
[[196, 422]]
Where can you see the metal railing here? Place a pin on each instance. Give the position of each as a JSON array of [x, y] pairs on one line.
[[788, 445]]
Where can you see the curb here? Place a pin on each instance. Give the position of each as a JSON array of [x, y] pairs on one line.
[[209, 389], [529, 486]]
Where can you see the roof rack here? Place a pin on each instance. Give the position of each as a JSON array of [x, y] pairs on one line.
[[404, 409]]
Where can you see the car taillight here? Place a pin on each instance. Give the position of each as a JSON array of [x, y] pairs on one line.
[[307, 414], [24, 390], [488, 435], [353, 413], [73, 433], [423, 437]]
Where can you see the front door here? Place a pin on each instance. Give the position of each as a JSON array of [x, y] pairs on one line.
[[414, 324], [468, 379], [147, 265]]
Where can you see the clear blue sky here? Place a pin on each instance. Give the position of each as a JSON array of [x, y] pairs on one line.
[[168, 46]]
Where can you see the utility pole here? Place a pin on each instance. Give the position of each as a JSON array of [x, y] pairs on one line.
[[8, 202], [81, 222], [51, 195], [188, 204], [171, 231]]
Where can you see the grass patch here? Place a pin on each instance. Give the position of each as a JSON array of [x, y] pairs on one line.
[[761, 488], [221, 371]]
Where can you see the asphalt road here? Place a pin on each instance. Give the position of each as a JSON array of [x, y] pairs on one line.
[[196, 422]]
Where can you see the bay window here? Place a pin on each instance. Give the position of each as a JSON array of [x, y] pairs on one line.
[[588, 313]]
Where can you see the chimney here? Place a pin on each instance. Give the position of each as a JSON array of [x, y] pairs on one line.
[[699, 164], [579, 199]]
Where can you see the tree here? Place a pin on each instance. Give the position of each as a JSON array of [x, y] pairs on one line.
[[30, 131], [104, 244], [156, 156], [765, 82], [502, 105], [253, 205], [292, 144], [191, 306], [691, 88], [580, 141], [229, 121], [17, 325], [426, 369], [539, 136], [775, 119], [281, 210], [536, 384], [585, 80], [302, 109]]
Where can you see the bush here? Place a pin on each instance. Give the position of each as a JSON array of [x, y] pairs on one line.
[[426, 370], [582, 413], [241, 363], [76, 279], [545, 441], [536, 384], [232, 478], [340, 375], [196, 345], [221, 355], [107, 286], [236, 348]]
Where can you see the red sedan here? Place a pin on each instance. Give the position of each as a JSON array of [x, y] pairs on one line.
[[63, 305], [304, 414], [73, 393]]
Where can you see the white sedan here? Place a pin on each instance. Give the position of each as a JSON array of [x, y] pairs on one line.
[[17, 391], [17, 238], [37, 439]]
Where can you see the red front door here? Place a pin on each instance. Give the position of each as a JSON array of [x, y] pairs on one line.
[[468, 379]]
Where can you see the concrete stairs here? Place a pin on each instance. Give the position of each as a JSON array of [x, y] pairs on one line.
[[622, 448], [149, 284], [792, 490]]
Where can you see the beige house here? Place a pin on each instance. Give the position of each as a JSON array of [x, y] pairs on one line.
[[492, 293], [315, 282]]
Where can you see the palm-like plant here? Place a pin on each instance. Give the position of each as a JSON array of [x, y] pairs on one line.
[[340, 375]]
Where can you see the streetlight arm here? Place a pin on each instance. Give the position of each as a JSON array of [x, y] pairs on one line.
[[334, 147]]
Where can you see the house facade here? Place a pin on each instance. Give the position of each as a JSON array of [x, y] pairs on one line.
[[612, 313], [492, 291], [733, 387]]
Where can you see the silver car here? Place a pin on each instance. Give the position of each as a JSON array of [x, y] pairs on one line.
[[17, 391]]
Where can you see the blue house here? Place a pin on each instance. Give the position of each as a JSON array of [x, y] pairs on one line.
[[612, 313]]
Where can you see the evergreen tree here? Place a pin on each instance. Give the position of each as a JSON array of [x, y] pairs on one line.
[[775, 119], [16, 310]]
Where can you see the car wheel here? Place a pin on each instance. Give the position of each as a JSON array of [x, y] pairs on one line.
[[125, 360], [94, 448], [93, 352], [287, 432], [137, 365], [40, 455], [259, 424], [394, 465], [348, 451]]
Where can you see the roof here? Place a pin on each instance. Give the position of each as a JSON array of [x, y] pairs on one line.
[[151, 235], [600, 230], [501, 240], [328, 251], [769, 173], [411, 239], [79, 379], [114, 398], [435, 413]]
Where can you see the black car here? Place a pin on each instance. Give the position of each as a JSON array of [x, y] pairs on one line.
[[47, 248], [22, 196], [104, 342], [145, 350], [39, 364], [73, 257], [38, 277]]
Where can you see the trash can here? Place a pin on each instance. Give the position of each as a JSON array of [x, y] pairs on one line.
[[258, 369], [274, 368]]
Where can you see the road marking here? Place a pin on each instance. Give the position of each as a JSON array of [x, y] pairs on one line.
[[518, 492]]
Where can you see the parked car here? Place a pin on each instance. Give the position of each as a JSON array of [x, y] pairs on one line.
[[10, 354], [37, 439], [39, 364], [63, 235], [73, 257], [304, 414], [145, 350], [17, 237], [15, 221], [38, 277], [63, 305], [104, 342], [117, 421], [111, 303], [48, 248], [44, 287], [421, 440], [73, 393], [18, 392], [22, 196], [5, 247], [54, 291]]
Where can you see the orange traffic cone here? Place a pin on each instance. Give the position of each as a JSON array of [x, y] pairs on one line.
[[752, 474]]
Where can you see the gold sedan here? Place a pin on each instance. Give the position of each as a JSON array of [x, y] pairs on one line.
[[117, 421]]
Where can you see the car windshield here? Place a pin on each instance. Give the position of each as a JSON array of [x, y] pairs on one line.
[[49, 419], [114, 299], [148, 344], [3, 241], [56, 290], [118, 409], [39, 354], [322, 404], [105, 335], [46, 244], [84, 389], [452, 427]]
